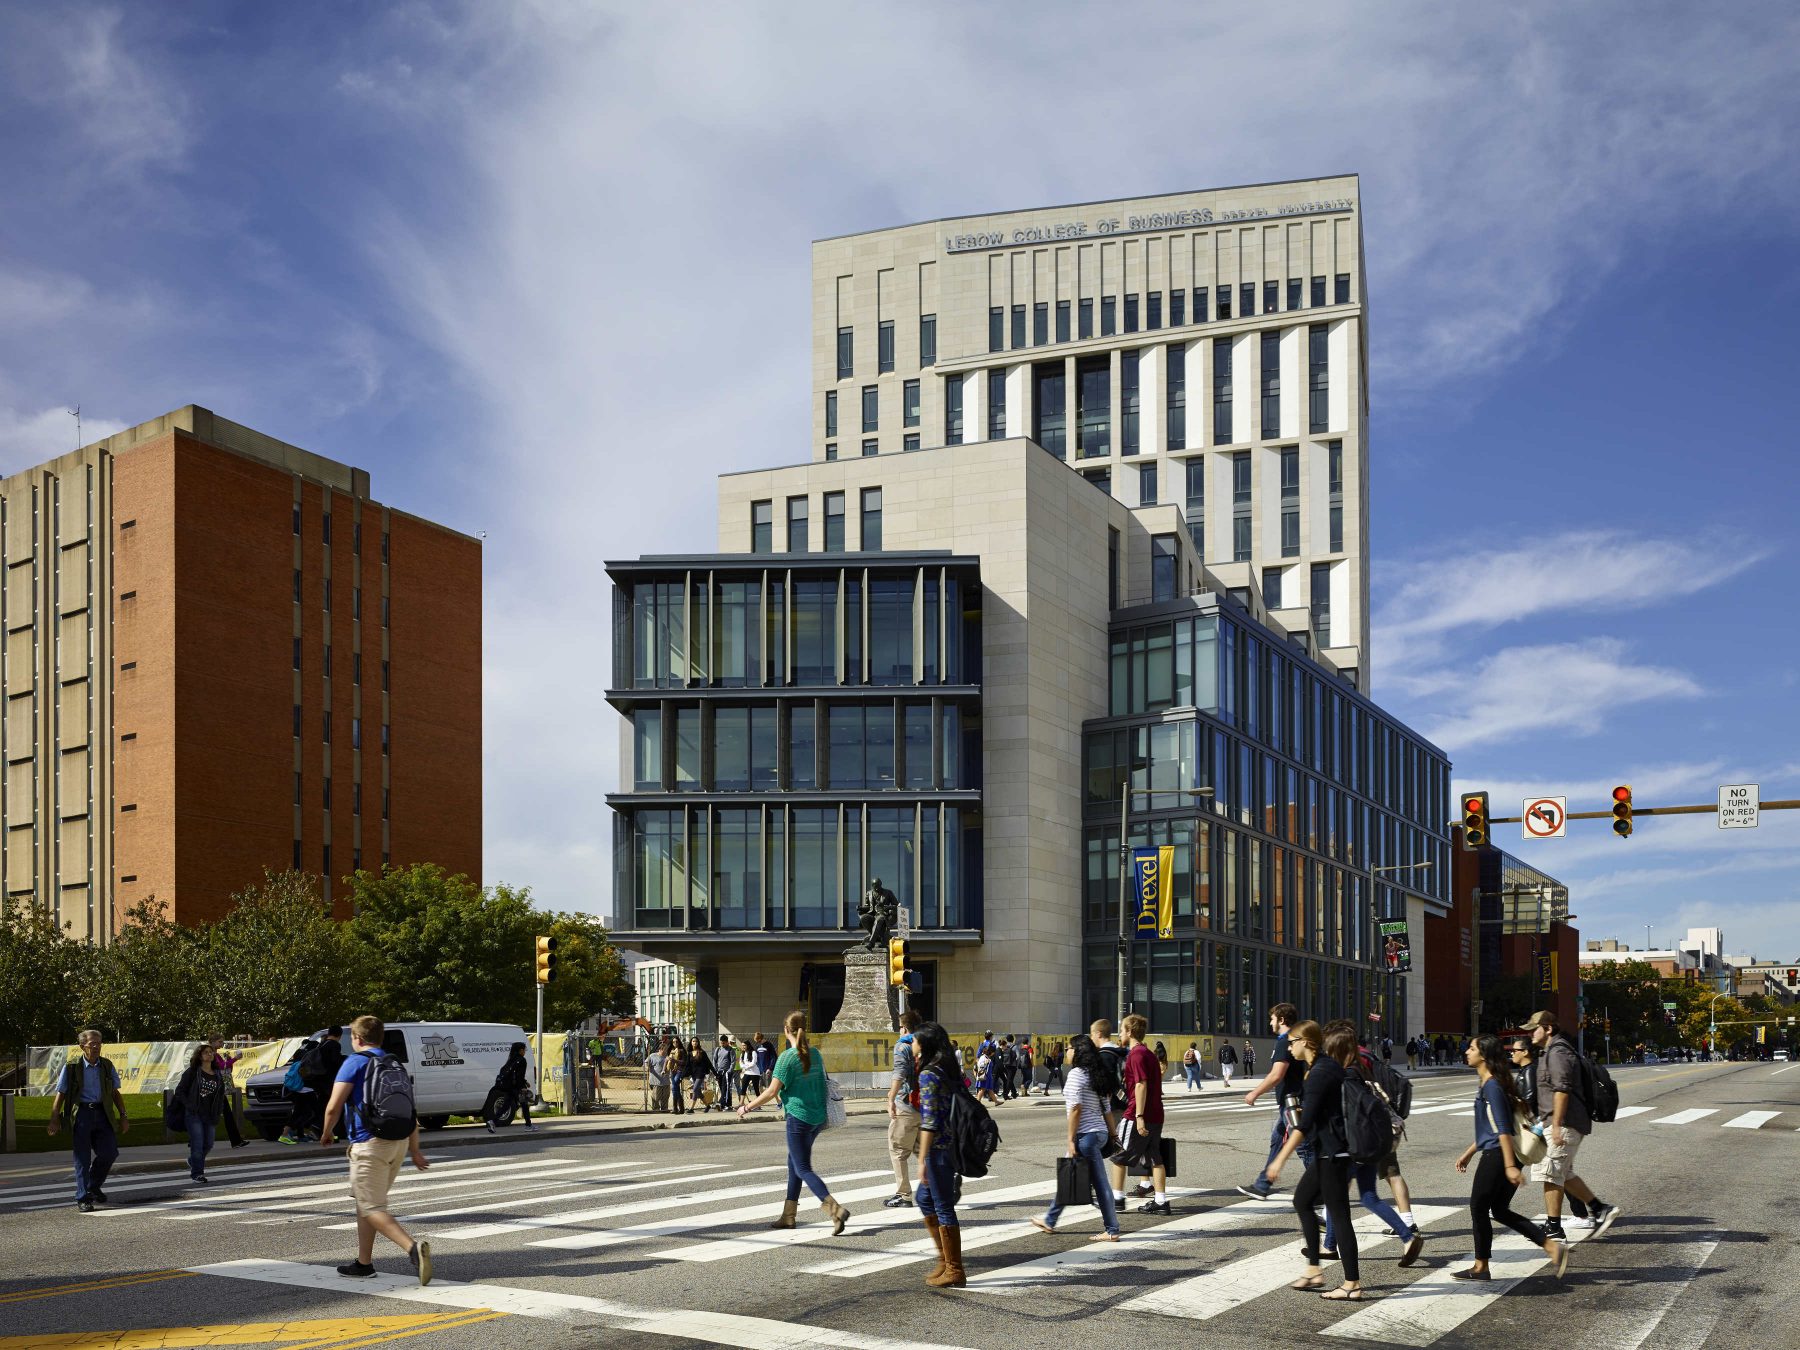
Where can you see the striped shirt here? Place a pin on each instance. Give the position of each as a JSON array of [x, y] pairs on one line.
[[1079, 1095]]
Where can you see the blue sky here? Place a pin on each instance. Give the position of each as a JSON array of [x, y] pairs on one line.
[[543, 270]]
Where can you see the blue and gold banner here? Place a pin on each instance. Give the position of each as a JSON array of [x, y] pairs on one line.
[[1153, 872]]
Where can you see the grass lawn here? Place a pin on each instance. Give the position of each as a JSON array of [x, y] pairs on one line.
[[33, 1117]]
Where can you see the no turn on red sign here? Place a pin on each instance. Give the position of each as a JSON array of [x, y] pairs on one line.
[[1545, 817]]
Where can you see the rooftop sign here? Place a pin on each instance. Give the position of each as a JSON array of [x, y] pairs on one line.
[[1148, 222]]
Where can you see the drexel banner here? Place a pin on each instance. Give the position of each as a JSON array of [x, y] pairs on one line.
[[1153, 870]]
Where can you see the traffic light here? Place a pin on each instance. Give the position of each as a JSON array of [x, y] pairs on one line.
[[1622, 810], [897, 959], [546, 959], [1474, 820], [1793, 975]]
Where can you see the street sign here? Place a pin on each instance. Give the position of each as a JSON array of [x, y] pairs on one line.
[[1545, 817], [1668, 1007], [903, 922], [1739, 804]]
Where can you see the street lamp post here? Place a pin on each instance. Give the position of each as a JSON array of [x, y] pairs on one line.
[[1387, 1001], [1124, 951]]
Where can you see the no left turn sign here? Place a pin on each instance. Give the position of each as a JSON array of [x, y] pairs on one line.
[[1545, 817]]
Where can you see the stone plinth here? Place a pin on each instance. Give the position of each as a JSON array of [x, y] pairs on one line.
[[868, 1003]]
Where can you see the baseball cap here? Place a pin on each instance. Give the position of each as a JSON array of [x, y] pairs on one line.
[[1540, 1019]]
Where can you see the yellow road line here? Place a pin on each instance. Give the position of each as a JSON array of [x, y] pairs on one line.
[[460, 1318], [304, 1334], [93, 1286]]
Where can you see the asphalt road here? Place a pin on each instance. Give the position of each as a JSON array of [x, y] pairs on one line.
[[659, 1240]]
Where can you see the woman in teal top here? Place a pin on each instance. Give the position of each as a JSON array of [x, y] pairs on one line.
[[799, 1080]]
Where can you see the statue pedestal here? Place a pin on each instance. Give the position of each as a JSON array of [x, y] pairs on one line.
[[868, 998]]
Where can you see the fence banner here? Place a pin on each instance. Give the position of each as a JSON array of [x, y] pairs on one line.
[[150, 1066]]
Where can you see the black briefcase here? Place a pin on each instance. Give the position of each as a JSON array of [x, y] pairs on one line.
[[1074, 1182], [1168, 1159]]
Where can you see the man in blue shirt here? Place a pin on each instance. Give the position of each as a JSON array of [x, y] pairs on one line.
[[374, 1163], [87, 1087]]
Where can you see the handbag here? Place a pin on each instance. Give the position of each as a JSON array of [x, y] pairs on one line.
[[1528, 1145], [1074, 1181], [174, 1115], [1167, 1146], [836, 1113]]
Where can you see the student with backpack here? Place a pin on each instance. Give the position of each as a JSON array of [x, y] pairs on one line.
[[1322, 1123], [1395, 1095], [951, 1122], [1498, 1176], [1190, 1065], [374, 1097], [1567, 1103], [88, 1102], [1091, 1124], [198, 1099], [1228, 1059]]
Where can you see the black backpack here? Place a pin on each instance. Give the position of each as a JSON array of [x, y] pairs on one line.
[[1112, 1092], [1598, 1091], [388, 1111], [1394, 1087], [1370, 1127], [974, 1137], [311, 1059]]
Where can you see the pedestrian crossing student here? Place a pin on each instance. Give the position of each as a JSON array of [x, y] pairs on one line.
[[1498, 1175], [903, 1110], [1284, 1080], [1366, 1176], [1525, 1073], [799, 1081], [1227, 1062], [1190, 1066], [940, 1079], [1091, 1126], [1327, 1176], [1562, 1109]]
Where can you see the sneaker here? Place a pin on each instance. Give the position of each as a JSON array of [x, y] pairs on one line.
[[199, 1181], [1602, 1217], [98, 1196], [1584, 1222], [1143, 1191], [85, 1205], [420, 1257], [532, 1128], [490, 1127], [896, 1202], [1152, 1207], [1414, 1244], [289, 1139], [356, 1270], [240, 1143], [1260, 1189], [1558, 1250]]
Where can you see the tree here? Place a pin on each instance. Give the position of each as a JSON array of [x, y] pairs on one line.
[[145, 985], [590, 977], [42, 973], [279, 965]]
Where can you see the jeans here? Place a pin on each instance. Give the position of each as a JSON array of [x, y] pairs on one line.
[[96, 1149], [936, 1195], [1327, 1178], [200, 1133], [800, 1138], [1089, 1145], [1491, 1198], [1193, 1074], [1277, 1137], [675, 1090], [1055, 1071], [1370, 1198], [724, 1081]]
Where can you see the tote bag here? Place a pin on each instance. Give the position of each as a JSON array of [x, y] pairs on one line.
[[835, 1111]]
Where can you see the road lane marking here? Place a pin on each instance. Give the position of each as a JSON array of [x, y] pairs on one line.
[[1688, 1117], [447, 1322], [316, 1332], [91, 1286], [1616, 1328], [1219, 1291], [659, 1228], [1627, 1112], [580, 1193], [553, 1305], [1779, 1072], [1750, 1120]]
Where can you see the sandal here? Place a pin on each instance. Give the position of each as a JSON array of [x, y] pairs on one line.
[[1104, 1237], [1343, 1294], [1306, 1282], [1041, 1226]]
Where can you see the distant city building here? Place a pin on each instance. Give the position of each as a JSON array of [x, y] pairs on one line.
[[665, 994], [223, 655]]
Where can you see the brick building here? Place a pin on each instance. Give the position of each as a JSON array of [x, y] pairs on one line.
[[223, 655]]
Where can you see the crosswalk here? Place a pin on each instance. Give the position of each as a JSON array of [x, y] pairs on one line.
[[1213, 1259]]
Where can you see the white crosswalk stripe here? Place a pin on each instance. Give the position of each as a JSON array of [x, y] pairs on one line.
[[1687, 1117], [1627, 1112], [1751, 1120], [660, 1228]]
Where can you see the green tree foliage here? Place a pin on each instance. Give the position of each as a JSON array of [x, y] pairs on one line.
[[146, 984], [590, 977], [278, 964], [42, 971]]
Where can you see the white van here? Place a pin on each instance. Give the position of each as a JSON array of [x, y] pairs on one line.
[[452, 1064]]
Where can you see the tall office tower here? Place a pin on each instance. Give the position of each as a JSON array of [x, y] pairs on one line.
[[223, 655], [1206, 349]]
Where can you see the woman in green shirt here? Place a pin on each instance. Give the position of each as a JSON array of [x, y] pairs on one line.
[[799, 1080]]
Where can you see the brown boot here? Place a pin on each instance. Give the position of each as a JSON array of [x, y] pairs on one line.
[[937, 1238], [953, 1276], [788, 1210], [839, 1215]]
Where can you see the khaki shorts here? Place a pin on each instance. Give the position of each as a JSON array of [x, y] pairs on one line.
[[903, 1133], [374, 1163], [1558, 1164]]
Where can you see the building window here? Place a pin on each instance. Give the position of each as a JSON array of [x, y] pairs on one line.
[[1343, 288], [384, 546], [1176, 381], [1162, 566], [834, 522], [996, 389], [1109, 315], [356, 602], [846, 353], [1093, 406], [1318, 403], [953, 410], [909, 443], [356, 733], [796, 541], [384, 677], [871, 447], [871, 407], [1040, 323], [1195, 470], [296, 585], [296, 719], [1271, 296], [1318, 292], [762, 527], [884, 346], [831, 412], [328, 660], [1321, 604], [325, 526], [1241, 504], [1222, 309], [1100, 478], [325, 794], [1062, 320], [996, 328], [1246, 299], [325, 725], [299, 789], [1334, 458], [299, 863], [1128, 403], [1085, 328], [909, 403], [1290, 502], [296, 654], [1177, 308], [1199, 304], [1050, 408], [1018, 326], [1272, 587], [1153, 318], [871, 520], [928, 339], [1147, 484], [328, 595], [1271, 385], [830, 451], [1296, 288], [1221, 361], [296, 518], [1131, 314], [1112, 568]]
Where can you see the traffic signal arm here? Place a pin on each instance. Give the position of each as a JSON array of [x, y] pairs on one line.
[[1709, 809]]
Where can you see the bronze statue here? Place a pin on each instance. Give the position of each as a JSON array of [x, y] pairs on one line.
[[877, 911]]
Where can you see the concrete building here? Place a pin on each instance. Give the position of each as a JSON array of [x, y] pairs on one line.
[[1206, 349], [665, 994], [223, 655]]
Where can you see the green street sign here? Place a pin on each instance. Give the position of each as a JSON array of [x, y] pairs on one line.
[[1668, 1007]]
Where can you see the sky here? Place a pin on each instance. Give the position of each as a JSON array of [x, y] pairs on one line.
[[543, 270]]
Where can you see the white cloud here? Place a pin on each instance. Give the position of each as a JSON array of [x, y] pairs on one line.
[[31, 437]]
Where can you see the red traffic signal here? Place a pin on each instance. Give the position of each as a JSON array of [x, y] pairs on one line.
[[1474, 820], [1622, 810]]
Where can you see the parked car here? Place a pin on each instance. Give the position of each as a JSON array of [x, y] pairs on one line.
[[452, 1065]]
